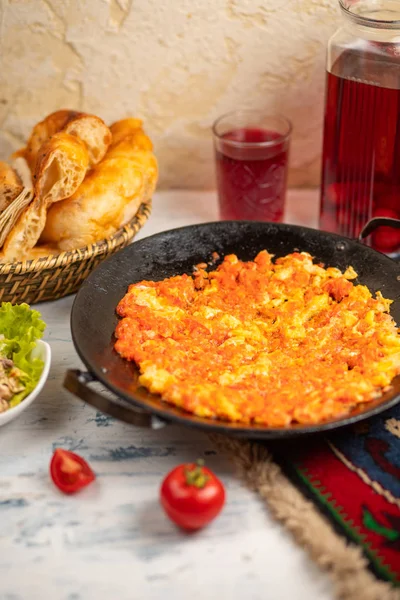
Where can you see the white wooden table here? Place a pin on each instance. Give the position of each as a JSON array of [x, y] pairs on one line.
[[112, 541]]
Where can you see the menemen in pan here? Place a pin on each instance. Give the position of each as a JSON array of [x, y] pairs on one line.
[[262, 342]]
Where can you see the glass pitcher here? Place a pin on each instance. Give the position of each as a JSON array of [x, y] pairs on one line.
[[361, 149]]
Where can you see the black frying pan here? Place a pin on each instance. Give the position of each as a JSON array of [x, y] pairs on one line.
[[93, 318]]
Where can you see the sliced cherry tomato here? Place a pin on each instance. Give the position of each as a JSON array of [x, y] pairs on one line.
[[69, 471], [192, 495]]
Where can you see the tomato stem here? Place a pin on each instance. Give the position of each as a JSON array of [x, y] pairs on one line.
[[195, 475]]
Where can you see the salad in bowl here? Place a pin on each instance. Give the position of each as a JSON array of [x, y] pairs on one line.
[[24, 358]]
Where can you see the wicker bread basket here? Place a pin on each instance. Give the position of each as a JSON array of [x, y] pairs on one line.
[[53, 277]]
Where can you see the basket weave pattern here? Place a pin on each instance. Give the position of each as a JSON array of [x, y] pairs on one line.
[[53, 277]]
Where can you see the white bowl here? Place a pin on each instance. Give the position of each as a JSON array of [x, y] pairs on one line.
[[42, 351]]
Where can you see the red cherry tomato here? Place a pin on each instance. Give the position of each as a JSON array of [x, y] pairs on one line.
[[192, 496], [386, 239], [389, 200], [349, 193], [69, 471]]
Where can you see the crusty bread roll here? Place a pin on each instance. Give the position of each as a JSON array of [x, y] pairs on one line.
[[89, 128], [15, 194], [94, 132], [107, 199], [25, 233], [60, 169], [10, 185], [121, 129], [144, 160], [42, 251], [42, 132]]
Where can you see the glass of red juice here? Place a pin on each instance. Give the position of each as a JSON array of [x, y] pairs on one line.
[[251, 153]]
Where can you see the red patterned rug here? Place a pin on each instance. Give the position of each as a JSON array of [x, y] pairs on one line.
[[354, 478], [339, 496]]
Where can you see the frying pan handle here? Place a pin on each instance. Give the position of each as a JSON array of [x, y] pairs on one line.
[[378, 222], [76, 382]]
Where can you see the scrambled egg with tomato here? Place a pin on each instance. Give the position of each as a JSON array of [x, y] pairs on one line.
[[262, 342]]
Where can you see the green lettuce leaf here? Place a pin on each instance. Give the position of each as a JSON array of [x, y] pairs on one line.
[[20, 328]]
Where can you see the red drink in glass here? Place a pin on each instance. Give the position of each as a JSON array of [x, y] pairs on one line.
[[361, 157], [251, 166]]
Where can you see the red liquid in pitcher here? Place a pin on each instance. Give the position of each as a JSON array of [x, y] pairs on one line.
[[361, 160], [252, 179]]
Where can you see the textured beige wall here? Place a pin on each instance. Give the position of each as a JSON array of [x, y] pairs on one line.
[[178, 64]]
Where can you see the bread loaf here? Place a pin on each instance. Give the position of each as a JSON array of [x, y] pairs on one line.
[[86, 181], [144, 160], [93, 132], [25, 233], [89, 128], [108, 197], [10, 185], [42, 132], [61, 166], [121, 129]]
